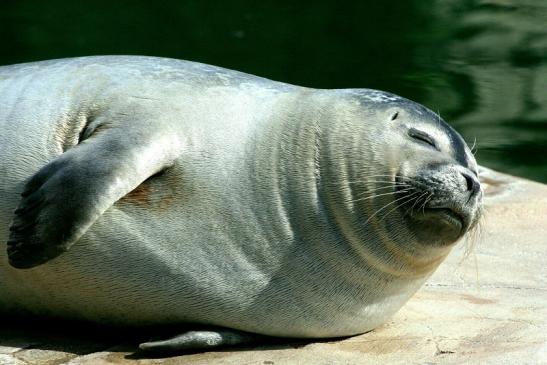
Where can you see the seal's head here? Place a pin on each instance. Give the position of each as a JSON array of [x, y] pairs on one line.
[[441, 173], [430, 168]]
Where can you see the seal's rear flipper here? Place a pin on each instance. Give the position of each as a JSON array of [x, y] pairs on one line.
[[64, 198], [201, 340]]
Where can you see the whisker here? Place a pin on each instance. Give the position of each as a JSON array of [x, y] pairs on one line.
[[474, 145], [370, 181], [476, 150], [368, 177], [398, 206], [425, 202], [384, 182], [474, 236], [383, 188], [416, 202], [377, 195], [384, 207]]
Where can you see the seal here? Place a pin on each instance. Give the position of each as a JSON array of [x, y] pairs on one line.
[[148, 191]]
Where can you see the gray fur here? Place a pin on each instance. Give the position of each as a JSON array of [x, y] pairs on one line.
[[261, 218]]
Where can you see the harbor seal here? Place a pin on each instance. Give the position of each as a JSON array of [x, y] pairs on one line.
[[148, 191]]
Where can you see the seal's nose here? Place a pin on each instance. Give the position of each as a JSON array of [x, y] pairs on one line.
[[473, 185]]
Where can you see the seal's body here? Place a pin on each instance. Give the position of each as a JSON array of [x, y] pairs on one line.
[[191, 193]]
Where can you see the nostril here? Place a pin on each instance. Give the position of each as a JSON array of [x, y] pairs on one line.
[[472, 183]]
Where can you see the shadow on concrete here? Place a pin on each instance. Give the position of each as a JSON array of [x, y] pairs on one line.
[[83, 338]]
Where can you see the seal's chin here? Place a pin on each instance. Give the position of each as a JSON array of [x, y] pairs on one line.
[[436, 226]]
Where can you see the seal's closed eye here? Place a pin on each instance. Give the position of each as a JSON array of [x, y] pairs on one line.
[[422, 137]]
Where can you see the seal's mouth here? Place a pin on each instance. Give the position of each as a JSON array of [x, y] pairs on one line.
[[448, 215], [434, 210]]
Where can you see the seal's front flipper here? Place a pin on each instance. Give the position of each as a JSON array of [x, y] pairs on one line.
[[64, 198], [201, 340]]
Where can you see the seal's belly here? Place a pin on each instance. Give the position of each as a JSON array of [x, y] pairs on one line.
[[122, 273], [127, 270]]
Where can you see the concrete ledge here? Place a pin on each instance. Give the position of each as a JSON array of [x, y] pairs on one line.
[[489, 307]]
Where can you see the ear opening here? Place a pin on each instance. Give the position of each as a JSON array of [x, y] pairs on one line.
[[394, 115]]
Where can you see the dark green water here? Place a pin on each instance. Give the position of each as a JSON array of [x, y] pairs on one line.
[[481, 63]]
